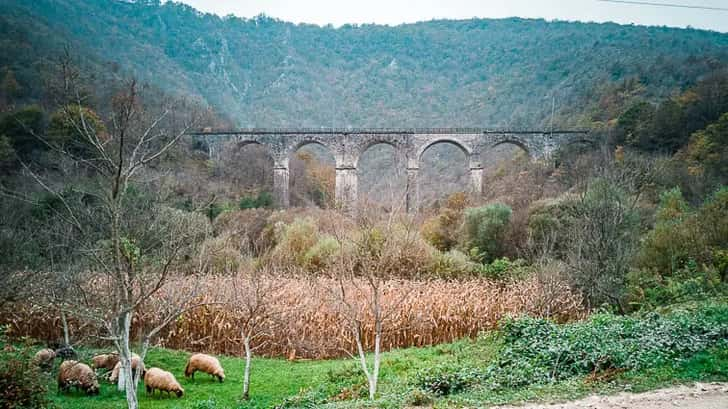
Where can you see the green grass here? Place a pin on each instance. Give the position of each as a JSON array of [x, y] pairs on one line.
[[271, 381], [340, 384], [274, 380], [711, 365]]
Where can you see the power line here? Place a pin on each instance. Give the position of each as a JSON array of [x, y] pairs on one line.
[[675, 5]]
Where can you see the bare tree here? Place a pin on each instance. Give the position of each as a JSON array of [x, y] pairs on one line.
[[367, 262], [253, 297], [130, 243]]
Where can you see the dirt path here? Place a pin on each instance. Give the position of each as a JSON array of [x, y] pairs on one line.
[[698, 396]]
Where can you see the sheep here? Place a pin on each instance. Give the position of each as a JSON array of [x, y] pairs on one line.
[[136, 363], [74, 373], [44, 358], [204, 363], [66, 352], [156, 378], [105, 361]]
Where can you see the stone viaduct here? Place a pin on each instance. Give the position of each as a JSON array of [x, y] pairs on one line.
[[347, 146]]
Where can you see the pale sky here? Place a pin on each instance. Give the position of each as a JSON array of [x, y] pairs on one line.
[[392, 12]]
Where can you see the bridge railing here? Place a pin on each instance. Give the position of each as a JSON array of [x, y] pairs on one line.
[[329, 131]]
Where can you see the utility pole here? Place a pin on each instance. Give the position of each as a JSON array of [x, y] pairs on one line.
[[553, 107]]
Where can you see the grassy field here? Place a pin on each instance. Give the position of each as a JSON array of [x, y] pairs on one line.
[[274, 380], [696, 340]]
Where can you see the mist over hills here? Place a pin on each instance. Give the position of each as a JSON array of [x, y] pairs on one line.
[[265, 72]]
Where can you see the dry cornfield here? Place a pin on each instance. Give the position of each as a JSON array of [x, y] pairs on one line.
[[309, 323]]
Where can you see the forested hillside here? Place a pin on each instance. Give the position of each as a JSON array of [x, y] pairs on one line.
[[265, 72]]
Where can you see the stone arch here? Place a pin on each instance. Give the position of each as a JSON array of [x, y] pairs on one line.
[[297, 145], [513, 141], [249, 164], [398, 149], [383, 182], [323, 158], [459, 144], [436, 179]]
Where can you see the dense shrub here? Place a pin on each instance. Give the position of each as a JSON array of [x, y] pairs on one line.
[[538, 351], [682, 234], [220, 255], [246, 229], [649, 289], [452, 264], [293, 242], [485, 227], [261, 200], [20, 128], [445, 380], [503, 268], [549, 221], [70, 127], [322, 254], [707, 151], [22, 384], [547, 352], [602, 240], [444, 229], [393, 250]]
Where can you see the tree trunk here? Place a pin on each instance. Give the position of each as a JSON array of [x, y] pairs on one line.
[[377, 349], [126, 378], [246, 375], [371, 380], [66, 333]]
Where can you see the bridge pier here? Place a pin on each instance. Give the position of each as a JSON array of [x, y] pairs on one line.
[[476, 181], [413, 191], [280, 186], [346, 187]]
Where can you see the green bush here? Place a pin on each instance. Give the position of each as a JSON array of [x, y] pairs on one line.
[[682, 234], [648, 289], [215, 209], [261, 200], [22, 384], [443, 229], [445, 380], [539, 351], [485, 228], [452, 264], [294, 241], [503, 268], [70, 127], [321, 254], [549, 222]]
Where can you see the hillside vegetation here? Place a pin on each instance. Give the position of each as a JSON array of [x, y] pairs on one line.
[[265, 72]]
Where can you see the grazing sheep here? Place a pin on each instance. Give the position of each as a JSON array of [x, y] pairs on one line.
[[105, 361], [156, 378], [136, 363], [204, 363], [74, 373], [66, 352], [44, 358]]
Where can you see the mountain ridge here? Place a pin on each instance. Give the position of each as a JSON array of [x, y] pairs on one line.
[[265, 72]]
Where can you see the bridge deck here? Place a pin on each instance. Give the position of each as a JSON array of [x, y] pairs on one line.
[[371, 131]]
